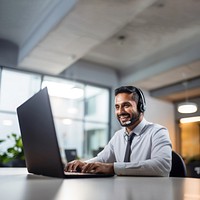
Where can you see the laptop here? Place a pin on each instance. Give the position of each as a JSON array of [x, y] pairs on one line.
[[39, 139]]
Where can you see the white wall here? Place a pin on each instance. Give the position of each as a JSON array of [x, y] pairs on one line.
[[161, 112]]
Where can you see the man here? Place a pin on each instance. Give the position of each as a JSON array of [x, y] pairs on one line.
[[150, 147]]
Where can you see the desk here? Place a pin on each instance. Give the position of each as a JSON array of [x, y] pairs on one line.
[[17, 184]]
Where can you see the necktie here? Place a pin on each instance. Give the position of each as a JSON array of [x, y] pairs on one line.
[[128, 148]]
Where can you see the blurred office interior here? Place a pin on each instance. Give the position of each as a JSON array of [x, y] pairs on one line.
[[83, 50]]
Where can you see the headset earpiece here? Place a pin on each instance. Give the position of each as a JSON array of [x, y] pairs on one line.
[[141, 101]]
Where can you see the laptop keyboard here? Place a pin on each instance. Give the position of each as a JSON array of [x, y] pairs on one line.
[[77, 173]]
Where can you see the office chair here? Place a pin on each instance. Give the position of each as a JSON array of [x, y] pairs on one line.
[[178, 166]]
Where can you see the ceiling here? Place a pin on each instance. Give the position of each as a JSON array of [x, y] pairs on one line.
[[152, 44]]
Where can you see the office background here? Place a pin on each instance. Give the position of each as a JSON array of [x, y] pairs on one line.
[[101, 45]]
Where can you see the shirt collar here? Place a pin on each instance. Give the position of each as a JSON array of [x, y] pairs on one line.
[[138, 129]]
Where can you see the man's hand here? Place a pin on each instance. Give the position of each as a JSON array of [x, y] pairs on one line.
[[98, 167], [75, 165]]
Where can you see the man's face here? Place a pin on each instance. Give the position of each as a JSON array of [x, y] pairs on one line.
[[126, 109]]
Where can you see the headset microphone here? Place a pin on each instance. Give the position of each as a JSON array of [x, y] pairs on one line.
[[132, 121], [128, 122]]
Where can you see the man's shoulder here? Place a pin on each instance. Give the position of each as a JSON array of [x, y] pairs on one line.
[[157, 126], [154, 125]]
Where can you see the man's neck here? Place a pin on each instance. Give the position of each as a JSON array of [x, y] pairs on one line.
[[131, 127]]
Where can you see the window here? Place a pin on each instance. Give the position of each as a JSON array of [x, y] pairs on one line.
[[80, 110], [96, 136], [90, 106], [15, 88], [97, 101]]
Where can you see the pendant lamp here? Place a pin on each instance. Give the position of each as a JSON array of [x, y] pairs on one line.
[[187, 107]]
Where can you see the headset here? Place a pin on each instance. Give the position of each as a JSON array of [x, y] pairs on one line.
[[141, 102], [131, 89]]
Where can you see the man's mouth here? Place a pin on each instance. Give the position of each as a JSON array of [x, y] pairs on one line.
[[124, 117]]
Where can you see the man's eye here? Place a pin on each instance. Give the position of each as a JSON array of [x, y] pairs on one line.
[[126, 106]]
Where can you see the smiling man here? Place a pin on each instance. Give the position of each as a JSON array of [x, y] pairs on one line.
[[140, 148]]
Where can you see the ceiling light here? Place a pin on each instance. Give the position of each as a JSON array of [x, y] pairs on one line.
[[57, 89], [187, 107], [67, 121], [190, 119], [63, 90], [7, 122], [72, 110], [76, 93]]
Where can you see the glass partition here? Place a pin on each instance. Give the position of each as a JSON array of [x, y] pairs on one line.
[[81, 115], [80, 110], [16, 87]]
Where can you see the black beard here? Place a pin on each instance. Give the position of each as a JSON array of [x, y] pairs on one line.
[[134, 118]]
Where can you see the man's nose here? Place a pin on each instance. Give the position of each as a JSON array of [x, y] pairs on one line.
[[120, 110]]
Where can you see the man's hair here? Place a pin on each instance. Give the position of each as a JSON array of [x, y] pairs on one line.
[[129, 90], [138, 96]]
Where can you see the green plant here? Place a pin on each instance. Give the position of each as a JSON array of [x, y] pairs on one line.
[[15, 152]]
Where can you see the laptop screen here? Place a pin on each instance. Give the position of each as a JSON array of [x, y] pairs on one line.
[[39, 136]]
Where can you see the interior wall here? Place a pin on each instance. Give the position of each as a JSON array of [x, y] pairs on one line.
[[93, 73], [161, 112]]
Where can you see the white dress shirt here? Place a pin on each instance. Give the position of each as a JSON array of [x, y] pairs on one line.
[[150, 151]]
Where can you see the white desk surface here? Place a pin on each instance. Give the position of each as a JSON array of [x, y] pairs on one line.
[[17, 184]]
